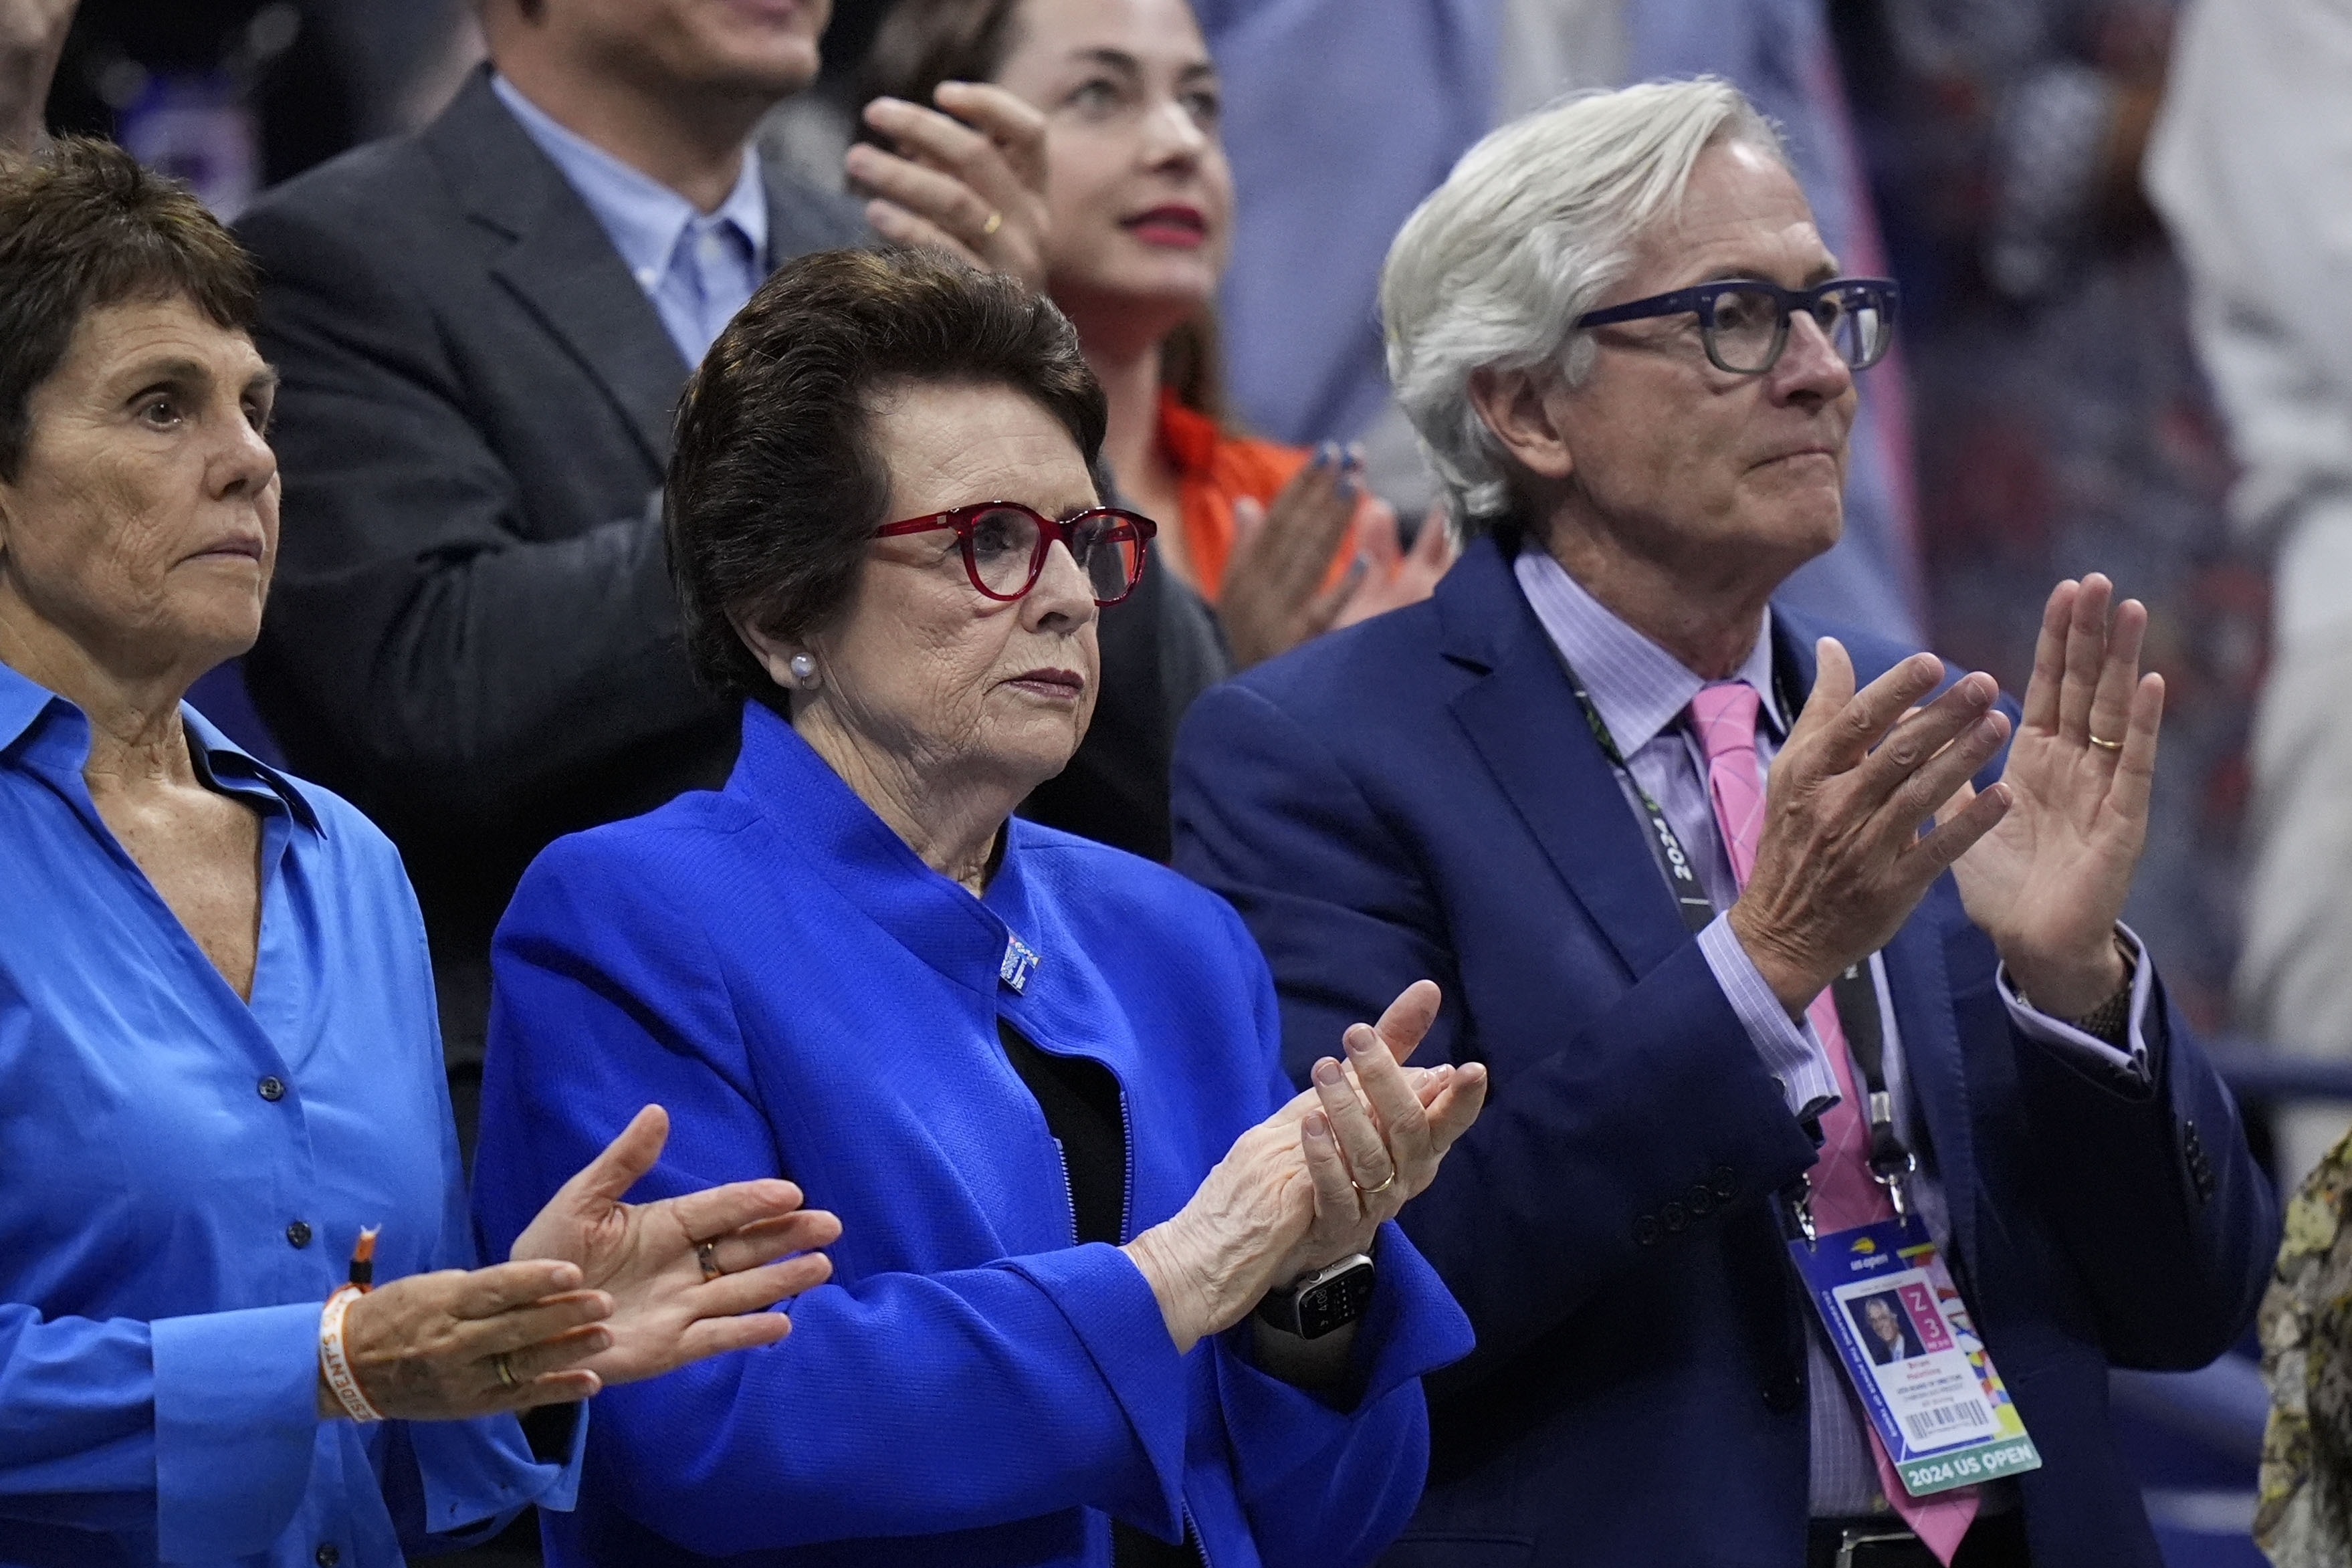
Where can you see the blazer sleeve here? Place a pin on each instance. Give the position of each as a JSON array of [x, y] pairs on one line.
[[2172, 1224], [902, 1402], [466, 666], [1332, 1481], [1556, 1190]]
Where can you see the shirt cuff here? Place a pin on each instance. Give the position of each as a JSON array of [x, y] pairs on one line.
[[1792, 1053], [2065, 1038], [237, 1424]]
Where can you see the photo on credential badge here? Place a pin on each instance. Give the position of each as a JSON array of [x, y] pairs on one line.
[[1907, 1343]]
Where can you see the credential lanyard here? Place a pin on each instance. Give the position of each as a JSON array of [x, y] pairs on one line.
[[1854, 992]]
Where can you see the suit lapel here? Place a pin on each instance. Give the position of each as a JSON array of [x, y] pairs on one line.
[[1523, 723], [561, 264]]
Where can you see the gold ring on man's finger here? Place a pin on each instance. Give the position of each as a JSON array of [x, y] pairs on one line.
[[1363, 1191], [505, 1370], [706, 1254], [995, 222], [2105, 745]]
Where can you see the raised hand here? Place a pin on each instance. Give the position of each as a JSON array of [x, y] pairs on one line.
[[1840, 863], [1394, 577], [1310, 1184], [1273, 597], [970, 181], [686, 1277], [32, 38], [2047, 885]]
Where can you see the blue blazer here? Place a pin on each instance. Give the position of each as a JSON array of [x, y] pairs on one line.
[[810, 1000], [1420, 796]]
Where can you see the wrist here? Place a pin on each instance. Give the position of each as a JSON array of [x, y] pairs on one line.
[[1158, 1256], [1793, 982], [2074, 987]]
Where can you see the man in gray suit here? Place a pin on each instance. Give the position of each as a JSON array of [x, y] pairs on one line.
[[482, 330]]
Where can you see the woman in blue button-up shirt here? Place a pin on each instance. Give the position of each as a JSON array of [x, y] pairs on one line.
[[218, 1058], [1040, 1078]]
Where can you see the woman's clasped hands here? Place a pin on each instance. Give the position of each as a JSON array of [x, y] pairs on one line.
[[597, 1292], [1309, 1185]]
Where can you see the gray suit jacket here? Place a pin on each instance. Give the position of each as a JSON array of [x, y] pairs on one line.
[[471, 633]]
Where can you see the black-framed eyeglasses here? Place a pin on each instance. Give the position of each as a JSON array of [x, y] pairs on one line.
[[1004, 545], [1744, 322]]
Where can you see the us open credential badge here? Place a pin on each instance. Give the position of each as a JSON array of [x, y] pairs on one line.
[[1904, 1334]]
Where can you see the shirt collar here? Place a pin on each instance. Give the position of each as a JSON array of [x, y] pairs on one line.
[[1639, 688], [220, 762], [643, 217]]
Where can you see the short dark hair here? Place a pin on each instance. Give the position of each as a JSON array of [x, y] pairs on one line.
[[774, 483], [82, 227]]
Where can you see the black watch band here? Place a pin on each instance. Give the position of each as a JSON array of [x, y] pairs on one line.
[[1316, 1305]]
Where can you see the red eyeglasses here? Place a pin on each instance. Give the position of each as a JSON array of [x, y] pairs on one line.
[[1004, 545]]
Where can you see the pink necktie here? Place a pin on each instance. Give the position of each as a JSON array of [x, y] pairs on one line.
[[1723, 716]]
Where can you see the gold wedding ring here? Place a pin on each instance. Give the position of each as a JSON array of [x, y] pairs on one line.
[[706, 1254], [995, 222], [1363, 1191], [2105, 745], [505, 1370]]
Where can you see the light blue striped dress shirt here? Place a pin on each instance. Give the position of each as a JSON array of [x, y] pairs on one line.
[[1643, 692]]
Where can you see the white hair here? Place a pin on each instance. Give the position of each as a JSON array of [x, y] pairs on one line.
[[1534, 225]]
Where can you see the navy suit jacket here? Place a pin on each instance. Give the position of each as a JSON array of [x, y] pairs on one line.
[[1419, 796]]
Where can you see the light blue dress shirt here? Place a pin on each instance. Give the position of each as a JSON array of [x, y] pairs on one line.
[[1643, 692], [183, 1174], [697, 268]]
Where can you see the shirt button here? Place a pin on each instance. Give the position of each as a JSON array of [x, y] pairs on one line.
[[273, 1088], [299, 1233], [1676, 1217], [326, 1556]]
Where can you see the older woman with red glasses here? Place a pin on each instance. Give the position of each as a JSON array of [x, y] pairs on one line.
[[1110, 1294]]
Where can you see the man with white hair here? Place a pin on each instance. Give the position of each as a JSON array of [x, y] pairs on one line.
[[1754, 1053]]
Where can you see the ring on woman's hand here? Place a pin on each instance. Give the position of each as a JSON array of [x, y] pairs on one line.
[[1363, 1191], [995, 222], [2105, 745], [706, 1254], [505, 1370]]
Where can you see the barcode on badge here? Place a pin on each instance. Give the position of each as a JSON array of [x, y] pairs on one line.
[[1936, 1420]]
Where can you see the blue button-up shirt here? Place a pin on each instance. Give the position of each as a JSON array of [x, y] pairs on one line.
[[183, 1174], [697, 268], [1643, 693]]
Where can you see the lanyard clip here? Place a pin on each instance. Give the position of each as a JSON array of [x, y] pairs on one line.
[[1797, 1208]]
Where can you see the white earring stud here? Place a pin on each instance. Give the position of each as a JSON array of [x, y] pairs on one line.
[[803, 669]]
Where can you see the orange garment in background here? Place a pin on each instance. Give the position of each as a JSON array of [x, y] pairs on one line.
[[1214, 469]]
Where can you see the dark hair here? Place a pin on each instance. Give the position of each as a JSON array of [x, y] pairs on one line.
[[923, 43], [774, 483], [82, 227]]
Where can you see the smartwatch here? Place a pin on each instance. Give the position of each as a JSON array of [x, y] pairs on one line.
[[1315, 1304]]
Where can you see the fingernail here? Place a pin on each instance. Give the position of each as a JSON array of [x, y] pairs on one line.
[[1326, 453], [1326, 1071], [1357, 1040], [1318, 1126], [1355, 455]]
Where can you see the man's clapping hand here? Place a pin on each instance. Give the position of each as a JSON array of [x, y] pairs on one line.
[[2047, 884], [1840, 863]]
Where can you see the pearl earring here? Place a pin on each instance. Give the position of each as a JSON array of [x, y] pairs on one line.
[[803, 669]]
